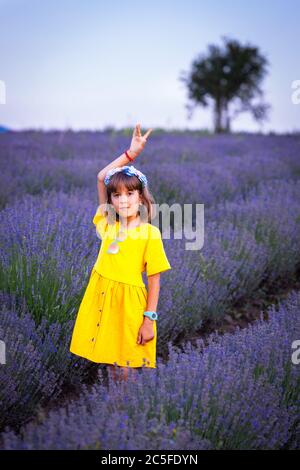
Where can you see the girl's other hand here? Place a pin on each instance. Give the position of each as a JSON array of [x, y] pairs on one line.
[[138, 141], [146, 333]]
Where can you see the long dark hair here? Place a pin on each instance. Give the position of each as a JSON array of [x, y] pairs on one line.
[[120, 179]]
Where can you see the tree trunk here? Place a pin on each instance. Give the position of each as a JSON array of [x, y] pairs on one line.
[[227, 119], [228, 128], [218, 117]]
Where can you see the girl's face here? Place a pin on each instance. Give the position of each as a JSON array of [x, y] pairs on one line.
[[126, 202]]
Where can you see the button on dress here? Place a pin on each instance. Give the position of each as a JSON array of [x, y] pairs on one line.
[[111, 311]]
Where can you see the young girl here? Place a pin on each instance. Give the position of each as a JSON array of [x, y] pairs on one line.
[[116, 321]]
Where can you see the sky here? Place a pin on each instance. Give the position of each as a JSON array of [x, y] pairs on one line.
[[90, 64]]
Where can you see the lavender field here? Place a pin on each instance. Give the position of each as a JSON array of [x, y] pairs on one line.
[[239, 391]]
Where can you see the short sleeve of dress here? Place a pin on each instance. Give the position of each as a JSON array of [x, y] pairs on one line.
[[155, 257], [100, 221]]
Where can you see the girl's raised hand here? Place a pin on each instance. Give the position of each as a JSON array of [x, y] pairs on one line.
[[138, 141]]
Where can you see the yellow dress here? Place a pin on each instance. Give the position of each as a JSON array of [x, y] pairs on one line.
[[111, 311]]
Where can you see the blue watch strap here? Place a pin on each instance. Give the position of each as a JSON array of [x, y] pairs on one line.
[[151, 315]]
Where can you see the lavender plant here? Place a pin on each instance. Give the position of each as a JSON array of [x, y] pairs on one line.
[[250, 188], [38, 363], [240, 392]]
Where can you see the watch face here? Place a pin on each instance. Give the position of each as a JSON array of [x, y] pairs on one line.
[[152, 315]]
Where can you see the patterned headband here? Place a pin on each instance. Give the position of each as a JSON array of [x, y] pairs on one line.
[[128, 170]]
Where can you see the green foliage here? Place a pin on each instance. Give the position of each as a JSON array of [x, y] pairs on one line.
[[225, 75]]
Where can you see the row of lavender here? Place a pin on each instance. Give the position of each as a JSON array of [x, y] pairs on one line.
[[181, 168], [38, 365], [49, 249], [48, 244], [240, 392]]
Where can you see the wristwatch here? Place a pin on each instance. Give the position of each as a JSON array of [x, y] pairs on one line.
[[151, 315]]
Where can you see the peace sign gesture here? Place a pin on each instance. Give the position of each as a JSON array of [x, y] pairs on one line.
[[138, 141]]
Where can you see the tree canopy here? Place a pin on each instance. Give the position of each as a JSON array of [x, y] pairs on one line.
[[230, 79]]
